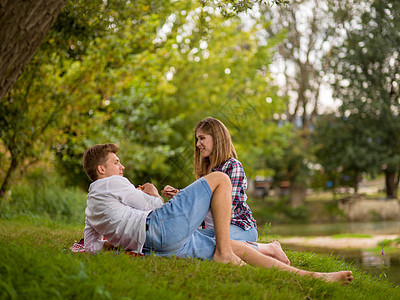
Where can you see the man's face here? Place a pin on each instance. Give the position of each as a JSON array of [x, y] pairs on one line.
[[112, 166]]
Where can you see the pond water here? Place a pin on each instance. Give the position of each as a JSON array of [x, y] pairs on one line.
[[387, 266], [370, 262], [373, 228]]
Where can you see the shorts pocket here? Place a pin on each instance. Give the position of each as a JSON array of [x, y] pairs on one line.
[[174, 232]]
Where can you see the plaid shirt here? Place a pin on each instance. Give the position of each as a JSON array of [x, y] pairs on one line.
[[241, 212]]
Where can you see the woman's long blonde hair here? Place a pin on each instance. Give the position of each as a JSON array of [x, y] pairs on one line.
[[223, 148]]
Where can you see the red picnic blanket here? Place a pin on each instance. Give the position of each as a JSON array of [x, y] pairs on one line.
[[79, 247]]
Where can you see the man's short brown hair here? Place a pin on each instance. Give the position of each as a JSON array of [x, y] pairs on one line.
[[97, 155]]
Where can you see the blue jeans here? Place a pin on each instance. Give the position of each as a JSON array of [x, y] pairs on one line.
[[238, 234], [173, 228]]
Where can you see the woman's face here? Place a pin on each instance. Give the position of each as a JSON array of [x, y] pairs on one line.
[[205, 143]]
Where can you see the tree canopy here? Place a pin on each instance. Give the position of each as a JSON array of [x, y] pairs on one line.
[[366, 72], [141, 76], [24, 24], [143, 73]]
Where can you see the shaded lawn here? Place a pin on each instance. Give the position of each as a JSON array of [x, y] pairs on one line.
[[35, 263]]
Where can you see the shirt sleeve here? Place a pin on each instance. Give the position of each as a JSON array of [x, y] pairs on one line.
[[93, 240], [131, 196], [146, 202], [238, 179]]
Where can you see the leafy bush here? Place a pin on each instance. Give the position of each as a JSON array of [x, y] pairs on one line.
[[43, 193], [279, 212]]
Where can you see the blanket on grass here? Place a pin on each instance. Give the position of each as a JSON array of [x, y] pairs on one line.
[[79, 247]]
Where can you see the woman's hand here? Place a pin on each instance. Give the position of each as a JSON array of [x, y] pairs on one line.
[[169, 191]]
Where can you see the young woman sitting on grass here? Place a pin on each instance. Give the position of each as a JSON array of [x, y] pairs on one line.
[[214, 151]]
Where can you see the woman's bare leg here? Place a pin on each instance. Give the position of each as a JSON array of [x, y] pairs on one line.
[[254, 257], [273, 249], [221, 206]]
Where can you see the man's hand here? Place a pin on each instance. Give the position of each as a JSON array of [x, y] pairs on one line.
[[169, 191], [150, 189]]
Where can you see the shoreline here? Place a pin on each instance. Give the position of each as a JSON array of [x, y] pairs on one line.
[[352, 243]]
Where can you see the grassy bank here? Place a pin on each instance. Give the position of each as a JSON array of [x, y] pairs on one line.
[[35, 263]]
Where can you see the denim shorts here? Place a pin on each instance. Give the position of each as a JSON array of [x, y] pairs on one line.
[[173, 228], [238, 234]]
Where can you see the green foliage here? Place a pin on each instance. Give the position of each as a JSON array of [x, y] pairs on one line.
[[69, 78], [345, 149], [141, 74], [366, 72], [152, 114], [42, 194], [351, 235], [331, 180], [291, 162], [386, 243], [125, 67], [231, 8], [226, 72], [144, 137], [280, 211]]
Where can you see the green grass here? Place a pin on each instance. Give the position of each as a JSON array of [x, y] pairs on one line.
[[389, 246], [351, 235], [35, 263]]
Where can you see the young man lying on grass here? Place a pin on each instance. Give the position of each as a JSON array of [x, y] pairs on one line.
[[138, 219]]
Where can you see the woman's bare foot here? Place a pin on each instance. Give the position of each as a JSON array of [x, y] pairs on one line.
[[342, 276], [226, 259], [274, 250]]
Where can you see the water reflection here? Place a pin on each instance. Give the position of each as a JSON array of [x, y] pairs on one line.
[[371, 260], [386, 266], [367, 261], [373, 263], [386, 227]]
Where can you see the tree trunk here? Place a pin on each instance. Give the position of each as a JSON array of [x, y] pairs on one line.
[[297, 195], [23, 25], [392, 184], [356, 181], [10, 172]]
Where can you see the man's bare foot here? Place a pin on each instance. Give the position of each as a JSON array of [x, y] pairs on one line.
[[274, 250], [341, 276], [226, 259]]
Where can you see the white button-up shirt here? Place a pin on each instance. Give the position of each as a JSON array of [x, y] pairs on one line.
[[117, 210]]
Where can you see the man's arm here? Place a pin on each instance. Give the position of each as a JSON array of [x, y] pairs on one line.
[[151, 190], [142, 200], [93, 240], [130, 196]]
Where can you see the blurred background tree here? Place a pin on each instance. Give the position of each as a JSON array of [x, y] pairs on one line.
[[344, 149], [365, 72], [300, 69]]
